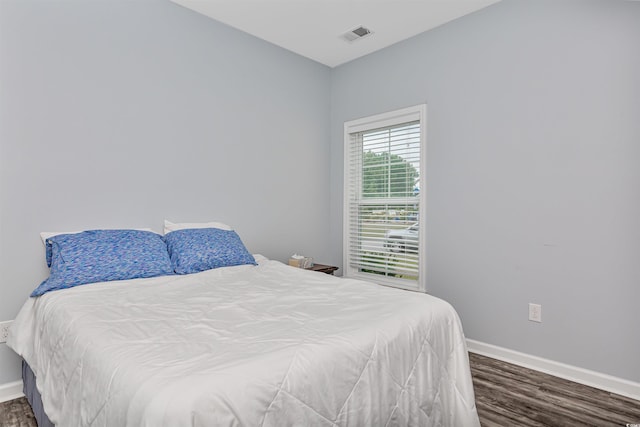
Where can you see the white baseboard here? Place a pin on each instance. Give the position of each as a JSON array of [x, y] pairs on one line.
[[573, 373], [10, 391]]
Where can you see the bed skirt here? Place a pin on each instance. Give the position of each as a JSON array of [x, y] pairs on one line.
[[33, 396]]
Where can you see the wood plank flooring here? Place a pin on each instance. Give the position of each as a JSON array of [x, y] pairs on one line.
[[17, 413], [509, 395], [506, 396]]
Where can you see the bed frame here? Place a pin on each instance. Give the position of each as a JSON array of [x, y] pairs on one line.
[[33, 396]]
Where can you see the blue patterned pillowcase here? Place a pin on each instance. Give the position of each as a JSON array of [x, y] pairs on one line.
[[103, 255], [199, 249]]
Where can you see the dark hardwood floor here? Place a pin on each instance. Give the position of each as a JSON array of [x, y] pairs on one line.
[[506, 396], [509, 395], [16, 413]]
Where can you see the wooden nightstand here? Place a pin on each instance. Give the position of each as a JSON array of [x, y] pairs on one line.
[[323, 268]]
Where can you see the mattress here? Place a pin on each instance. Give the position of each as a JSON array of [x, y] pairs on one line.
[[265, 345]]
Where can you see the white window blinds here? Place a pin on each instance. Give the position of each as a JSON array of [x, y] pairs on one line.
[[383, 198]]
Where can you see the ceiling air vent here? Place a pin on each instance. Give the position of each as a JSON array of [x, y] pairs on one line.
[[356, 34]]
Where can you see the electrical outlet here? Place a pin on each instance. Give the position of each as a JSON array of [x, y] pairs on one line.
[[4, 330], [535, 312]]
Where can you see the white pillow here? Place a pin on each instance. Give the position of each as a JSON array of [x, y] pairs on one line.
[[170, 226], [47, 234]]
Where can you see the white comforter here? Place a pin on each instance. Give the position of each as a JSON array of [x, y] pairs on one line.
[[266, 345]]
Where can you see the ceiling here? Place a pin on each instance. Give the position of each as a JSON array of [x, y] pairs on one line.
[[313, 28]]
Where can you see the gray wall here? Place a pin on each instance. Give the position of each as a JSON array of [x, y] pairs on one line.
[[533, 178], [123, 113]]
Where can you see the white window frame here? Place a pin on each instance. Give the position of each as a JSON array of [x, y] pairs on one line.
[[392, 118]]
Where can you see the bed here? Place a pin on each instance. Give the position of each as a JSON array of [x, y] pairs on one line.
[[246, 345]]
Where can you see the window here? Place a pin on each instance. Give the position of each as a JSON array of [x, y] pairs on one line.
[[385, 198]]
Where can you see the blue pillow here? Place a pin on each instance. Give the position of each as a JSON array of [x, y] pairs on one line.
[[102, 256], [199, 249]]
